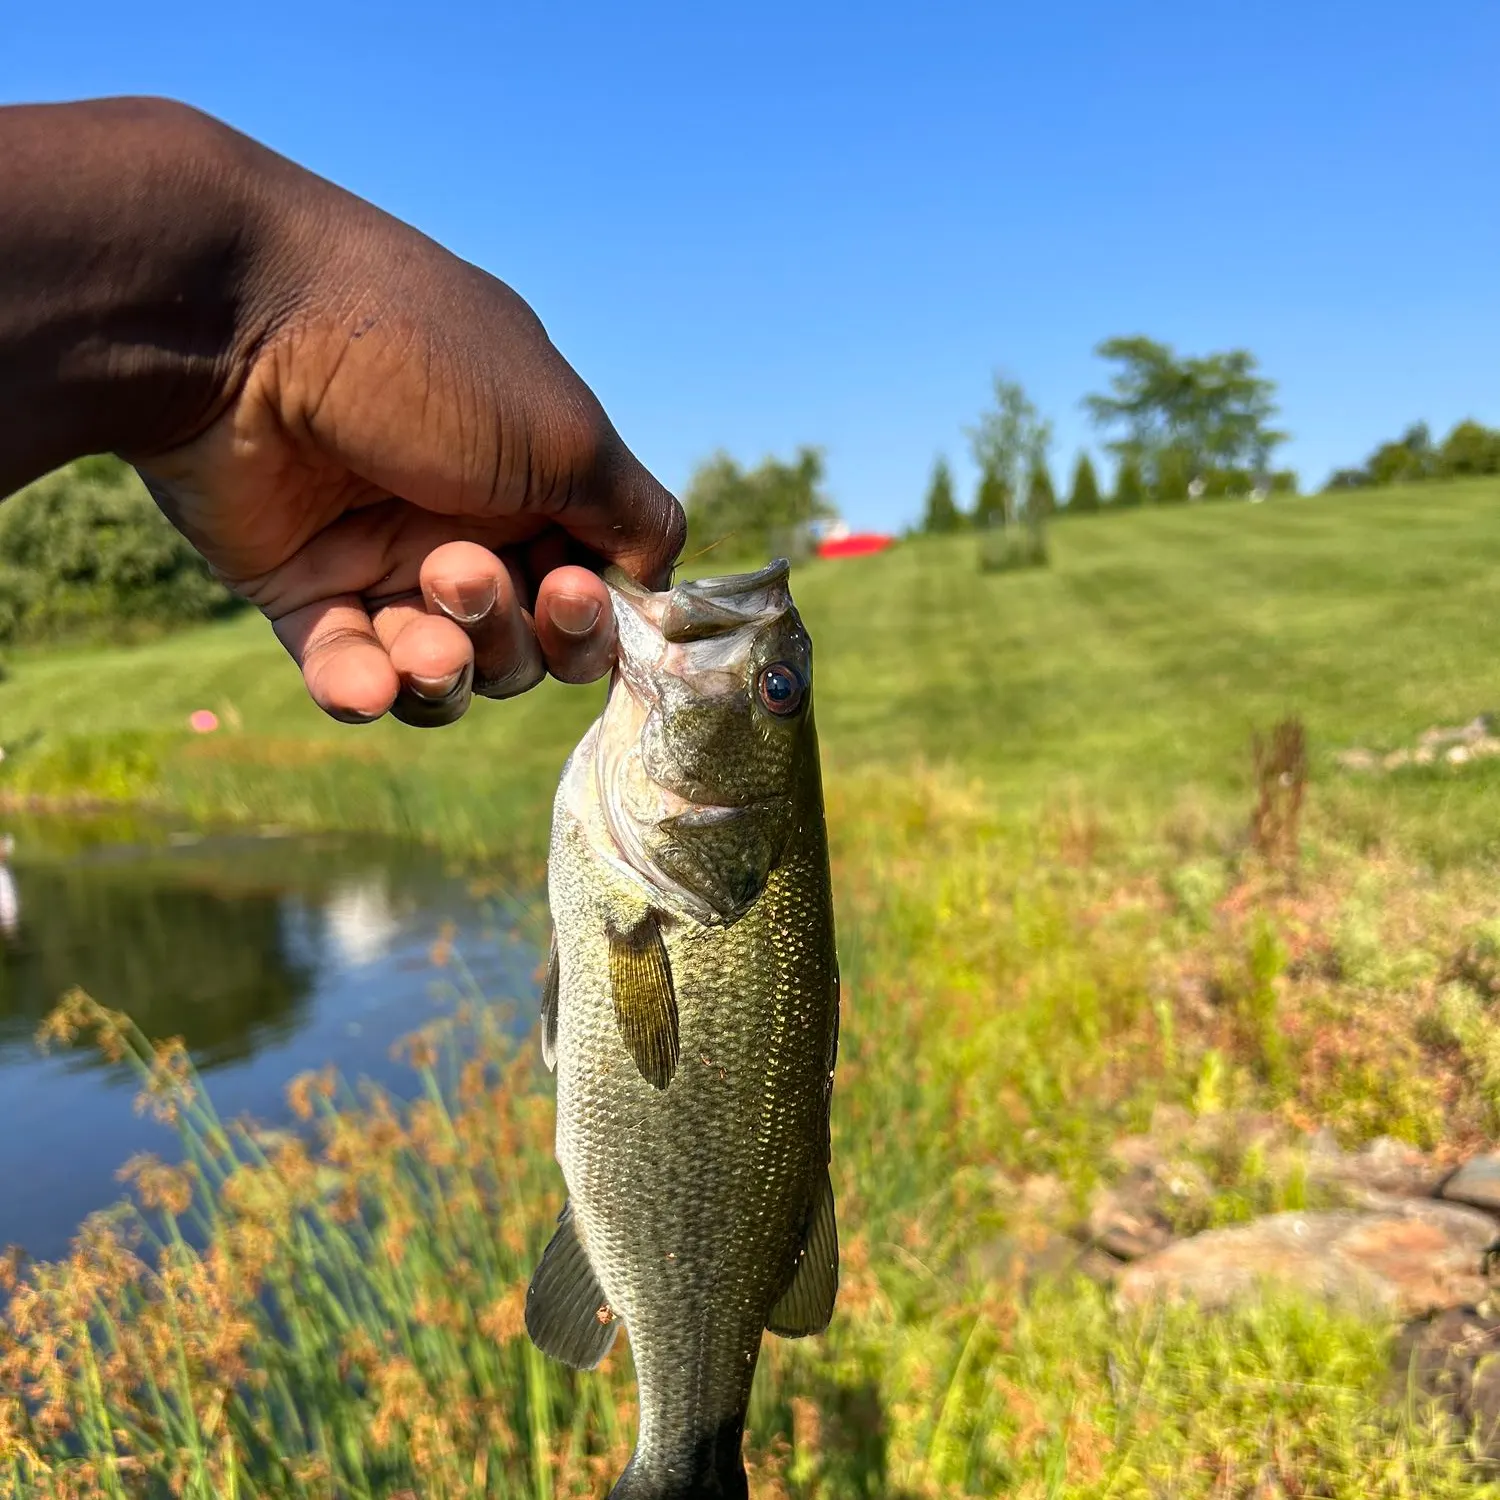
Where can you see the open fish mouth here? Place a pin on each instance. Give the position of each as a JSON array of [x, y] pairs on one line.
[[693, 836], [708, 606]]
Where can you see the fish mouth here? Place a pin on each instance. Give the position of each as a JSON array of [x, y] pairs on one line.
[[708, 607]]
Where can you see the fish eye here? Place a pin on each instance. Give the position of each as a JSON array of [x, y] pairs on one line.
[[782, 688]]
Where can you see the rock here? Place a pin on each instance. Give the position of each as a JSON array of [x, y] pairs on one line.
[[1357, 759], [1476, 1183], [1455, 1359], [1409, 1260], [1133, 1242], [1382, 1171]]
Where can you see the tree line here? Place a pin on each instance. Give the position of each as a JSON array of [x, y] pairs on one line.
[[1470, 449], [1180, 428], [85, 552]]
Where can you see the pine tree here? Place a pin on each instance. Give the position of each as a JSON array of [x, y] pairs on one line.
[[1041, 496], [991, 502], [1084, 498], [941, 514], [1130, 488], [1174, 473]]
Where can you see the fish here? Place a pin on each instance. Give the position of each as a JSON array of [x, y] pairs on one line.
[[690, 1012]]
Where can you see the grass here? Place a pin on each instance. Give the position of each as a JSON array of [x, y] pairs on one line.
[[1053, 937], [1136, 665]]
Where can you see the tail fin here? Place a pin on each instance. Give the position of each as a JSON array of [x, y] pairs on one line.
[[710, 1469]]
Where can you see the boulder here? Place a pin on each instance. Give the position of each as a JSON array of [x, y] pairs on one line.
[[1378, 1173], [1408, 1260], [1476, 1183]]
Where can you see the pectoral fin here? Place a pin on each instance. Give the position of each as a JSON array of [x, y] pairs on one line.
[[567, 1315], [549, 1009], [645, 1006], [807, 1304]]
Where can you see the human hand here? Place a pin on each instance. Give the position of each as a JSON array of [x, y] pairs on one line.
[[389, 458]]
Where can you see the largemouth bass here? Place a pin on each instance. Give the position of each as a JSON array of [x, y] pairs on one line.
[[691, 1015]]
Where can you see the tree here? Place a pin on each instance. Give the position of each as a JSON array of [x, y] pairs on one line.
[[1470, 448], [941, 515], [1174, 472], [1009, 444], [1083, 495], [1130, 487], [991, 501], [1394, 463], [1041, 494], [759, 512], [1200, 414]]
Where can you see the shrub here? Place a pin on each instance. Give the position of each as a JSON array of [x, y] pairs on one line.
[[1005, 549]]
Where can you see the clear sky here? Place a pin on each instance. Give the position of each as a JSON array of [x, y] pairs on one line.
[[757, 226]]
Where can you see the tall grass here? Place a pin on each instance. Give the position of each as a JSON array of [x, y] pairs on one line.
[[339, 1313]]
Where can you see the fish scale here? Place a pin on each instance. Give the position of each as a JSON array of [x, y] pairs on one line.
[[690, 1204]]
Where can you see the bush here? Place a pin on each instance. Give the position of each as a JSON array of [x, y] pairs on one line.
[[1006, 549], [85, 551]]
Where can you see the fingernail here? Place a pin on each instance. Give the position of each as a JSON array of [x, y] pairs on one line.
[[574, 614], [435, 688], [467, 600], [351, 715]]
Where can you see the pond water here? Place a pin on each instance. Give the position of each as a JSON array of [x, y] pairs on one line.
[[268, 954]]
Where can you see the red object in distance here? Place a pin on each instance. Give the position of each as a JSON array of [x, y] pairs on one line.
[[857, 544]]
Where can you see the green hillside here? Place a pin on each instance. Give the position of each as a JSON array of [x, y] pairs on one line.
[[1137, 665]]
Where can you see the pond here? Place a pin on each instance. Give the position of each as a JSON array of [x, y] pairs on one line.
[[267, 953]]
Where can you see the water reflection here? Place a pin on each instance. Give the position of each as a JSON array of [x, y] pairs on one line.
[[10, 900], [181, 959], [266, 955]]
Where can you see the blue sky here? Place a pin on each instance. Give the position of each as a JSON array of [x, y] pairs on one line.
[[753, 227]]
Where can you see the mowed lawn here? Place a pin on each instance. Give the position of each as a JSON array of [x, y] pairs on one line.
[[1131, 671]]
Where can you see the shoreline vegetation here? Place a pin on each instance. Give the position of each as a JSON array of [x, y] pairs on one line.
[[1057, 934]]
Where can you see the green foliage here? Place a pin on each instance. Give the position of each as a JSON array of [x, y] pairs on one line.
[[1041, 496], [1009, 444], [86, 552], [1083, 494], [1173, 474], [1191, 415], [991, 502], [756, 513], [1130, 487], [1006, 549], [940, 513], [1395, 463], [1470, 450]]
